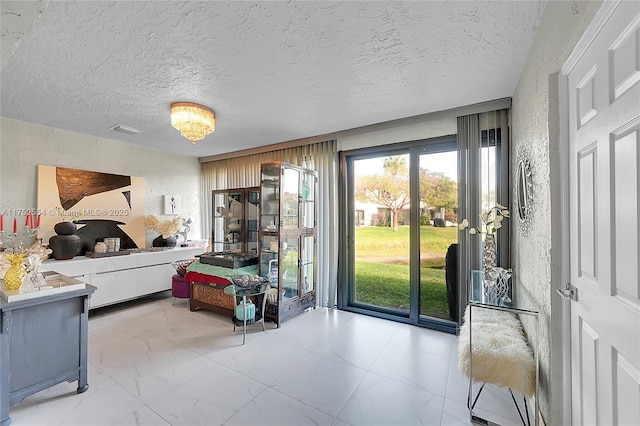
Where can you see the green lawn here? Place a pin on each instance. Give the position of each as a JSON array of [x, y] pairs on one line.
[[382, 271], [372, 241]]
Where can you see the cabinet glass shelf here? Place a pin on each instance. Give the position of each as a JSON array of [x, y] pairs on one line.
[[288, 223], [235, 220]]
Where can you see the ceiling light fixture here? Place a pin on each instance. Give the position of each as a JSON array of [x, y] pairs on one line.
[[192, 120]]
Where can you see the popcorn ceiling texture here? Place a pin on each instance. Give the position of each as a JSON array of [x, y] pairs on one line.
[[17, 20], [258, 65], [535, 123], [25, 145]]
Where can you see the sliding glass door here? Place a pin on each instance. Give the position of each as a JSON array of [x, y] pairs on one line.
[[400, 218], [381, 234], [438, 195]]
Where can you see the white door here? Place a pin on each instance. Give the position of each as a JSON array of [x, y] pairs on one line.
[[604, 133]]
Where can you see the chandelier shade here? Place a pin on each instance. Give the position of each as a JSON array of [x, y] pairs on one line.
[[194, 121]]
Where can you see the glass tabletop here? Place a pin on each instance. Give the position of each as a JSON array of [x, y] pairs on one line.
[[234, 290], [517, 299]]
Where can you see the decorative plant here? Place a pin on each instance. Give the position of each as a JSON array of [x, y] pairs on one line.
[[492, 220], [165, 227]]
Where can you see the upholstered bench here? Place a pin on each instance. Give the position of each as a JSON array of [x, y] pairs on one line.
[[500, 352]]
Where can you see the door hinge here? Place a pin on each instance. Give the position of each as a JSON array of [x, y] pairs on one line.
[[569, 292]]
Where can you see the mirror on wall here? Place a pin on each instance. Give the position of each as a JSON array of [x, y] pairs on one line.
[[524, 193]]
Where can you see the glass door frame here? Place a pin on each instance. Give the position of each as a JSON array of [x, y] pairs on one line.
[[346, 269]]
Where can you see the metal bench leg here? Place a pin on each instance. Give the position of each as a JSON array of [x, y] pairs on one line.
[[477, 396], [518, 408]]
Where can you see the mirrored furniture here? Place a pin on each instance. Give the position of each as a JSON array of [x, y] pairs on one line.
[[287, 237], [235, 220]]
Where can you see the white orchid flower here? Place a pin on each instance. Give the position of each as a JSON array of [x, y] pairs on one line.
[[492, 220]]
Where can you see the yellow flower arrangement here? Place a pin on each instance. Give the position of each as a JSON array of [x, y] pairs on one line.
[[166, 227]]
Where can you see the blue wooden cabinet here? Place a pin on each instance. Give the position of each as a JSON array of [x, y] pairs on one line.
[[43, 342]]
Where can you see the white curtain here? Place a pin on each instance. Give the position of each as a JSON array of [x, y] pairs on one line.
[[244, 172]]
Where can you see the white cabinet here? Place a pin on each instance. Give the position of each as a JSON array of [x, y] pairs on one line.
[[155, 278], [121, 278]]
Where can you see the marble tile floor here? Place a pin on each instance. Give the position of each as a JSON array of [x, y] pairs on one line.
[[155, 363]]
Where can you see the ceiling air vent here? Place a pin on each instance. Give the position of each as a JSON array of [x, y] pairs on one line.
[[126, 129]]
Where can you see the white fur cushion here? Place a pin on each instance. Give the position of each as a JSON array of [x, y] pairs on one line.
[[501, 354]]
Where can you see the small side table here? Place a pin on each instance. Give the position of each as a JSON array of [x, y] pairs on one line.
[[236, 291]]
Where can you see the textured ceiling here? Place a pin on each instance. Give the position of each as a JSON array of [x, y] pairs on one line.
[[272, 71]]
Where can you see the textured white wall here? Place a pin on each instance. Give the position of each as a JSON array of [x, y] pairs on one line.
[[536, 257], [24, 145]]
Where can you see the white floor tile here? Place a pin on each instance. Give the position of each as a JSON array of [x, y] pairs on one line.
[[209, 399], [104, 403], [155, 363], [161, 377], [457, 383], [419, 369], [262, 358], [142, 417], [303, 333], [320, 382], [372, 327], [274, 408], [381, 401], [417, 339], [353, 349]]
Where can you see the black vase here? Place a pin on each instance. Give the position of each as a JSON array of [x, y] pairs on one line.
[[168, 242], [66, 243]]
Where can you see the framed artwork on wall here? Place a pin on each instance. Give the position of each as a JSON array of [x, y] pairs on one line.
[[172, 204], [103, 205]]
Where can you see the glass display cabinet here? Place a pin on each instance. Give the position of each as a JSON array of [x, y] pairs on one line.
[[235, 220], [287, 238]]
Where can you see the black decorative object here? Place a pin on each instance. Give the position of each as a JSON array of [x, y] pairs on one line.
[[95, 230], [64, 245], [168, 242], [229, 260]]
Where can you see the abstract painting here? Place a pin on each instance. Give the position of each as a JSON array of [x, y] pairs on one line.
[[102, 204]]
